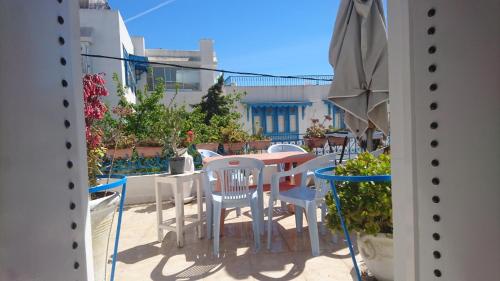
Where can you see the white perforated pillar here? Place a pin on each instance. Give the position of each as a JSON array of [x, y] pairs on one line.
[[444, 61], [43, 190]]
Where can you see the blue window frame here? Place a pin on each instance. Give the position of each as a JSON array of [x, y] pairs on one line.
[[278, 121], [336, 113], [130, 74]]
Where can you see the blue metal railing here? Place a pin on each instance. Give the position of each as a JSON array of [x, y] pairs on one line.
[[135, 166], [258, 81], [121, 182], [328, 175], [352, 148]]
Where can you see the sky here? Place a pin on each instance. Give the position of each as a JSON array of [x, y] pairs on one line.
[[281, 37]]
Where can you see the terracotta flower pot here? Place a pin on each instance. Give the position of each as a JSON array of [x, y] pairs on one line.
[[260, 144], [315, 142], [336, 140], [208, 146], [226, 147], [149, 151], [122, 153], [236, 147]]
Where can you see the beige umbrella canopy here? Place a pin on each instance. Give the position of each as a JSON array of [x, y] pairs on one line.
[[358, 54]]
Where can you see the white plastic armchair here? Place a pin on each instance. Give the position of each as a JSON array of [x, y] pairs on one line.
[[233, 190], [207, 153], [305, 198], [284, 147]]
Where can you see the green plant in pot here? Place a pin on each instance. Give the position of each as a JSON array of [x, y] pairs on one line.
[[172, 121], [258, 141], [367, 210], [315, 134], [235, 136]]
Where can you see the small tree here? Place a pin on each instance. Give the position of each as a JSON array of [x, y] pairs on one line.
[[145, 115], [214, 102]]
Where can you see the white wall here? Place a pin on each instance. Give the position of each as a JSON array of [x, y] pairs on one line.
[[467, 196], [205, 58], [141, 189], [109, 34]]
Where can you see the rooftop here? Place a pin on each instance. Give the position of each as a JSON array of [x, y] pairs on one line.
[[259, 81], [141, 257]]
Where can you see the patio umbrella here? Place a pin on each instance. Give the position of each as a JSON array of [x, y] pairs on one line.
[[358, 54]]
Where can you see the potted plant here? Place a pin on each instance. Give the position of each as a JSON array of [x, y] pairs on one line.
[[258, 141], [172, 119], [367, 209], [315, 135], [102, 205], [335, 136], [149, 148], [235, 138]]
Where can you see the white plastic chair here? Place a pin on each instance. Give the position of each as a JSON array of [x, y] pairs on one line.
[[284, 147], [304, 198], [233, 180], [207, 153]]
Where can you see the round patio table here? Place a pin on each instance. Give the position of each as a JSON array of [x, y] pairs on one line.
[[286, 158], [328, 175]]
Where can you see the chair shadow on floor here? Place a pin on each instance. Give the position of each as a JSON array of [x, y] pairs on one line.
[[238, 259]]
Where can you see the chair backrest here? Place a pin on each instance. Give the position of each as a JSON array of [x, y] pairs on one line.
[[207, 153], [233, 176], [284, 147], [312, 165], [379, 151]]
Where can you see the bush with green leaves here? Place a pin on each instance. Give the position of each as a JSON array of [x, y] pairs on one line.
[[215, 118], [366, 206], [144, 121]]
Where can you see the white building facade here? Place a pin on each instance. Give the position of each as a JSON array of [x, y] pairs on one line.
[[284, 108], [103, 32]]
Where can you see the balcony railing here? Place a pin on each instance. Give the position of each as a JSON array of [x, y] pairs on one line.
[[141, 165], [258, 81]]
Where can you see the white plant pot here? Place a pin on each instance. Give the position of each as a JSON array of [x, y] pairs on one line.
[[377, 252], [102, 211]]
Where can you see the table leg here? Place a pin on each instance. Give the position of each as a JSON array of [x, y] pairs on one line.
[[159, 211], [179, 213], [199, 201]]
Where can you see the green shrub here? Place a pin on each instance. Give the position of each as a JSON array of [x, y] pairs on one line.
[[366, 206]]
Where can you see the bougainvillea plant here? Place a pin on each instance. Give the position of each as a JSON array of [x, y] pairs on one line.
[[94, 110]]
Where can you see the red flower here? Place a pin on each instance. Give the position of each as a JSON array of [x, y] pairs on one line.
[[190, 136], [93, 108]]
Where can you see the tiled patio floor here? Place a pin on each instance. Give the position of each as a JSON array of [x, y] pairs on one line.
[[141, 257]]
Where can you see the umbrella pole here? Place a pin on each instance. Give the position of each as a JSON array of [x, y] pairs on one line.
[[369, 139]]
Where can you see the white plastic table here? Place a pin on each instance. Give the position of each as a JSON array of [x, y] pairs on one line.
[[176, 183]]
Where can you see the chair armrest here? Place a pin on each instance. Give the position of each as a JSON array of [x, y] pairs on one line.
[[275, 178]]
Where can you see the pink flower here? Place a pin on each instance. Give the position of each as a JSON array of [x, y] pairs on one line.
[[93, 108]]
